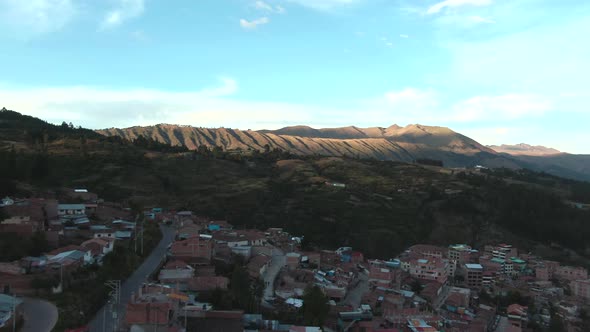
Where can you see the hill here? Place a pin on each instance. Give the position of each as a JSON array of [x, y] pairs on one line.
[[393, 143], [523, 149], [385, 206]]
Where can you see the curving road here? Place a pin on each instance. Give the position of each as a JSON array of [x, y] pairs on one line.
[[39, 315], [149, 265]]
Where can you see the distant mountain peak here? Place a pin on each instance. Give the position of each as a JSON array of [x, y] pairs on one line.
[[523, 149]]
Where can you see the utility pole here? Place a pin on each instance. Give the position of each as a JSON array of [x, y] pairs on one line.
[[115, 286], [13, 312]]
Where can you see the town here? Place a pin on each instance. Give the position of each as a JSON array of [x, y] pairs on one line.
[[206, 275]]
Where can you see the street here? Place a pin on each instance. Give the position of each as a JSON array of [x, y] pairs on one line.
[[133, 283], [39, 315], [355, 295], [276, 264]]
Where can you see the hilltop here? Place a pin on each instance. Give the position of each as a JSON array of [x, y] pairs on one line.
[[393, 143], [523, 149]]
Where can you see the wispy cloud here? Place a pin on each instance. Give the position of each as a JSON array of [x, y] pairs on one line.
[[479, 19], [124, 10], [326, 5], [264, 6], [32, 17], [404, 36], [438, 7], [254, 23]]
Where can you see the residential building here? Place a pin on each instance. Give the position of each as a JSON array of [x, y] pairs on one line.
[[88, 259], [473, 275], [501, 251], [207, 283], [571, 273], [427, 250], [257, 265], [517, 315], [195, 249], [460, 253], [71, 209], [432, 268], [581, 288]]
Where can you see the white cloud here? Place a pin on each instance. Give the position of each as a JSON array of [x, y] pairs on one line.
[[436, 8], [479, 19], [32, 17], [124, 10], [404, 36], [326, 5], [503, 107], [254, 23], [264, 6]]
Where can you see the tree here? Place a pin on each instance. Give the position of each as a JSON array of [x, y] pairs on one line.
[[39, 244], [240, 287], [315, 306]]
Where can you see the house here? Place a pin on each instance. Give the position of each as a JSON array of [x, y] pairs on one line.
[[69, 259], [581, 288], [431, 268], [123, 235], [71, 209], [232, 239], [257, 265], [99, 247], [148, 313], [88, 257], [473, 274], [208, 283], [195, 249], [188, 231], [176, 275], [571, 273], [219, 225], [517, 315]]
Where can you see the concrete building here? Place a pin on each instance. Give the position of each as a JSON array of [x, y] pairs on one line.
[[571, 273], [432, 268], [71, 209], [473, 275], [581, 288], [193, 250]]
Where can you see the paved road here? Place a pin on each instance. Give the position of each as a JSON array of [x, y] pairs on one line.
[[355, 295], [39, 315], [278, 261], [132, 284]]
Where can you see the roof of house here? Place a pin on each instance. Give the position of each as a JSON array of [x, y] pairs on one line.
[[176, 274], [257, 262], [71, 206], [73, 255], [208, 283], [150, 312], [175, 264], [66, 249], [517, 309], [10, 268], [474, 266], [123, 234]]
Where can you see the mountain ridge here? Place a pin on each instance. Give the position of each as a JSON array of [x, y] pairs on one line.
[[525, 149], [406, 144]]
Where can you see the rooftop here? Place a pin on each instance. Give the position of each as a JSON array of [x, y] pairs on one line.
[[474, 266], [71, 206]]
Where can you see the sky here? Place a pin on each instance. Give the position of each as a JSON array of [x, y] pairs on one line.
[[498, 71]]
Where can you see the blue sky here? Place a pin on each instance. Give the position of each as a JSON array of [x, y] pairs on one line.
[[499, 71]]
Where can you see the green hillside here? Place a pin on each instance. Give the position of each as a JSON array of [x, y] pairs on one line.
[[384, 207]]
